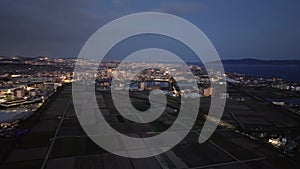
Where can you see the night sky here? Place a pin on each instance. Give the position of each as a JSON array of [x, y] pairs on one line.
[[238, 29]]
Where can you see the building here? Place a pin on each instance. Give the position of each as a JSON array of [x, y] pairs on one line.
[[224, 95], [207, 92], [142, 86], [20, 93]]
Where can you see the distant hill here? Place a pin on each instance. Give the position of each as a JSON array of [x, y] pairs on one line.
[[258, 61]]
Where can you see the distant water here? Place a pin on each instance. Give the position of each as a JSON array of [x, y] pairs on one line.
[[285, 72]]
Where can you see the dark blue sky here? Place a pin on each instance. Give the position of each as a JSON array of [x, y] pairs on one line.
[[238, 28]]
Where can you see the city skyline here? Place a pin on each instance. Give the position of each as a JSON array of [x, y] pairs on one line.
[[128, 84]]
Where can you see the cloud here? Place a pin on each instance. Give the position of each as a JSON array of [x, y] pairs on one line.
[[179, 8], [37, 27], [119, 2]]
